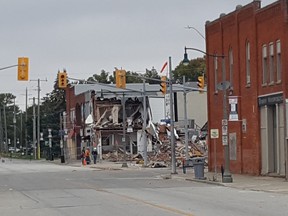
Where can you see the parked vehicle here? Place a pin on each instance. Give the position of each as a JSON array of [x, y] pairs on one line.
[[12, 149]]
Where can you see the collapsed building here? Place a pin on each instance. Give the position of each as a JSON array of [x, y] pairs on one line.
[[95, 118]]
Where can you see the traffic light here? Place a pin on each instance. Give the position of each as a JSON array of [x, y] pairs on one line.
[[23, 69], [62, 80], [121, 79], [201, 83], [163, 85]]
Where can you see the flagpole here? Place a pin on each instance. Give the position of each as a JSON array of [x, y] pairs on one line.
[[165, 98]]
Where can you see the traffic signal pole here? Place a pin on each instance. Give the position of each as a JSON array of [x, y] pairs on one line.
[[38, 117], [172, 135]]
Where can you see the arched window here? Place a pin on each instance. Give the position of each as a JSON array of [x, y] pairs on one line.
[[264, 65], [271, 63], [248, 69], [278, 61], [231, 67], [215, 72]]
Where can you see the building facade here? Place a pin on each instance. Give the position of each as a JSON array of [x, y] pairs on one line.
[[247, 47]]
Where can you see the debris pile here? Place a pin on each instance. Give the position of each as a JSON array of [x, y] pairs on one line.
[[161, 154]]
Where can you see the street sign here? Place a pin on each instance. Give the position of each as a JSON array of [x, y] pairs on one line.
[[224, 130], [224, 122], [223, 85], [214, 133], [224, 140]]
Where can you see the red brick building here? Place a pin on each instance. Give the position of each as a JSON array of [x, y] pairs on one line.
[[254, 43]]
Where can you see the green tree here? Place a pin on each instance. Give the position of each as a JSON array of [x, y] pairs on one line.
[[152, 74], [101, 78], [52, 106], [195, 68], [7, 104]]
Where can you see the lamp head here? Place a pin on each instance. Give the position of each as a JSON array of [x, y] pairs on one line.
[[185, 61]]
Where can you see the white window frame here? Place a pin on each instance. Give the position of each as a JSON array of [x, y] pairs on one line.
[[231, 67], [264, 65], [215, 59], [248, 64], [271, 63], [278, 61]]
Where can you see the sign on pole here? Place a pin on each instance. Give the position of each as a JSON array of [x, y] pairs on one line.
[[214, 133], [224, 140]]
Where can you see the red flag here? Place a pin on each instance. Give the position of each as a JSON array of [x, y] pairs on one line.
[[164, 66]]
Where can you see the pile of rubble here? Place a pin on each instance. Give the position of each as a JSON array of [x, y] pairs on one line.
[[161, 154]]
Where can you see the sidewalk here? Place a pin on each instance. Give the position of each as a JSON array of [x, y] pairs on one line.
[[243, 182]]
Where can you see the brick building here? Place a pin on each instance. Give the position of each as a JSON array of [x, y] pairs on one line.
[[253, 42]]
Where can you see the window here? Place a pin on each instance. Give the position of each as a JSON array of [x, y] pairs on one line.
[[278, 61], [271, 63], [231, 67], [264, 65], [248, 73], [72, 115], [215, 72]]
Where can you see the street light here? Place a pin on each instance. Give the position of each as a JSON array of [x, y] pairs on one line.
[[224, 85]]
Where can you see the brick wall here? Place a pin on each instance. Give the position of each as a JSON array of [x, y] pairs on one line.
[[258, 26]]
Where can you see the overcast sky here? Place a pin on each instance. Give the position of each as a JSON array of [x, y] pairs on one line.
[[87, 36]]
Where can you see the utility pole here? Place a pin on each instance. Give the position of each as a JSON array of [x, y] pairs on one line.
[[1, 133], [21, 128], [144, 124], [38, 117], [50, 144], [227, 177], [124, 164], [26, 119], [185, 119], [5, 127], [38, 122], [34, 130], [65, 135], [61, 140], [14, 124]]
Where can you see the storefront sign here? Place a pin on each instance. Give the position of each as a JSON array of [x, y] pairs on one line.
[[270, 99]]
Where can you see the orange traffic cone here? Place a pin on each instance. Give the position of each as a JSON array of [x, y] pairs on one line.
[[84, 162]]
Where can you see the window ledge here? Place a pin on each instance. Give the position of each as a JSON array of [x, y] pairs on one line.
[[248, 85], [264, 84], [271, 83], [278, 82]]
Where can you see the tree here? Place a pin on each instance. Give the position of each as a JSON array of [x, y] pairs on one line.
[[191, 72], [53, 105], [7, 104], [100, 78], [152, 74]]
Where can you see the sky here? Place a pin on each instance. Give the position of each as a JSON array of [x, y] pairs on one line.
[[87, 36]]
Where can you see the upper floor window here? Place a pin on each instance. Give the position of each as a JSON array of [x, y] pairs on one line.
[[278, 61], [72, 115], [215, 72], [231, 67], [248, 72], [264, 64], [271, 63]]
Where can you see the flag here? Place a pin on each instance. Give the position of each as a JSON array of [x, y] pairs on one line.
[[164, 66]]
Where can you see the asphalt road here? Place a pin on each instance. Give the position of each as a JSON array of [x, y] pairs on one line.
[[41, 188]]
